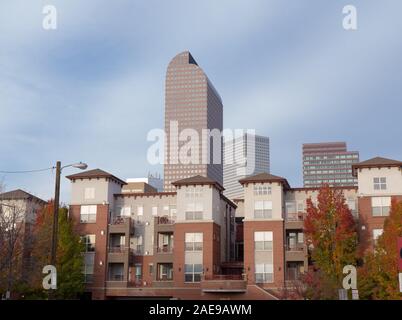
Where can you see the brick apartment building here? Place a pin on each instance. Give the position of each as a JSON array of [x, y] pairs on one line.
[[195, 243]]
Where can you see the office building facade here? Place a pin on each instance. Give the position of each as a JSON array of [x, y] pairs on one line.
[[192, 105], [243, 156], [328, 163]]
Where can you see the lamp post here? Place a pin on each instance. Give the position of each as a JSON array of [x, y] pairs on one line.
[[59, 168]]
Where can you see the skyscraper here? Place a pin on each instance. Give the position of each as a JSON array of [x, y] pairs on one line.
[[328, 163], [192, 104], [252, 148]]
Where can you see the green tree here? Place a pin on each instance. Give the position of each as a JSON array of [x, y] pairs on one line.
[[331, 236], [378, 278], [69, 260]]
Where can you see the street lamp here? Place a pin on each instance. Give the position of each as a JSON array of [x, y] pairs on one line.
[[59, 168]]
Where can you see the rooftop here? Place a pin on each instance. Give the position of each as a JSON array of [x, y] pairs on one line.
[[95, 173]]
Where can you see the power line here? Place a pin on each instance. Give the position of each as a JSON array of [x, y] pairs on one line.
[[28, 171]]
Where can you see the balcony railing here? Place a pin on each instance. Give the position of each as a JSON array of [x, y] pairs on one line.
[[297, 247], [224, 277], [118, 220], [164, 249], [120, 249], [291, 217], [116, 277], [165, 220]]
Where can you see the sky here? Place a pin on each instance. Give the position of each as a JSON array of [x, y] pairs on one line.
[[93, 88]]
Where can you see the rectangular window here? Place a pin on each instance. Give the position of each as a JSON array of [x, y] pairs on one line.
[[193, 192], [380, 183], [140, 210], [194, 211], [192, 272], [290, 206], [193, 241], [138, 272], [89, 242], [88, 267], [263, 240], [264, 273], [260, 190], [263, 209], [376, 234], [89, 193], [88, 214], [380, 206], [125, 211], [155, 211]]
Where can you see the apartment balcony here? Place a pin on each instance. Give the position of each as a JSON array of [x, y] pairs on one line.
[[224, 283], [294, 220], [164, 224], [164, 254], [121, 225], [120, 254], [296, 253]]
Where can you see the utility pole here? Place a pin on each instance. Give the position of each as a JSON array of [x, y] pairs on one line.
[[56, 214]]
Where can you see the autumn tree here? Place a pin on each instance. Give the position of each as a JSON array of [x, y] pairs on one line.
[[331, 236], [378, 278], [69, 259]]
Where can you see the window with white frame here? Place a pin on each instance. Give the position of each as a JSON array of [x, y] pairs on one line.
[[300, 206], [380, 183], [155, 211], [264, 273], [125, 211], [263, 240], [89, 193], [140, 211], [194, 241], [192, 192], [263, 209], [194, 211], [89, 242], [376, 234], [192, 272], [352, 205], [290, 206], [380, 206], [261, 190], [88, 214]]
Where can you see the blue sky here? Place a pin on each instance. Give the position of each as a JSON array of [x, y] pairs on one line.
[[92, 89]]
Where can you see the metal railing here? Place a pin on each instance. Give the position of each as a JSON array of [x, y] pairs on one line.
[[165, 220], [223, 277], [164, 249], [297, 247], [294, 216]]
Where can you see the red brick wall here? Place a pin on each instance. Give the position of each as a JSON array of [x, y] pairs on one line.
[[277, 227], [101, 225]]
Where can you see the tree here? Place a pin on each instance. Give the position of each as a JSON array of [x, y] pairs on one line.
[[331, 236], [12, 229], [70, 280], [378, 278]]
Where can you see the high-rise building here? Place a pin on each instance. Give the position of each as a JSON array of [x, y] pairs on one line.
[[191, 103], [328, 163], [243, 156]]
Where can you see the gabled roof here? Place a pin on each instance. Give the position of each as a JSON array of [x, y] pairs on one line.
[[198, 180], [377, 162], [265, 177], [95, 173], [19, 195]]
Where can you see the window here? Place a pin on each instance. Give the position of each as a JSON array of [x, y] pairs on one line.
[[380, 206], [138, 272], [88, 267], [140, 210], [88, 214], [89, 242], [260, 190], [193, 241], [194, 211], [151, 268], [125, 211], [193, 192], [300, 206], [192, 272], [155, 211], [380, 183], [263, 209], [290, 206], [89, 193], [263, 240], [352, 204], [376, 234], [264, 273]]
